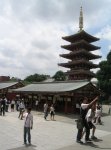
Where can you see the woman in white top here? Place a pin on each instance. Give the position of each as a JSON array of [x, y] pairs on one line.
[[89, 117], [52, 112], [98, 114], [12, 105]]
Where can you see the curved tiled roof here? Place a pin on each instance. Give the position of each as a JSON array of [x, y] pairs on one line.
[[4, 85], [78, 62], [80, 35], [53, 87], [80, 53], [80, 44]]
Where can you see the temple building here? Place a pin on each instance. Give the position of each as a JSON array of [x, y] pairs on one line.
[[80, 55], [6, 89], [66, 94]]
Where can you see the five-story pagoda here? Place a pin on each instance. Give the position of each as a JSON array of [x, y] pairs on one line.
[[80, 48]]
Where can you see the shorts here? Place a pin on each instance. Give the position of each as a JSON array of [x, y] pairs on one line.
[[91, 125], [52, 113]]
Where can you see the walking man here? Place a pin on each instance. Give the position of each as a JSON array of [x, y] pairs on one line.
[[45, 110], [3, 105], [28, 125], [21, 110]]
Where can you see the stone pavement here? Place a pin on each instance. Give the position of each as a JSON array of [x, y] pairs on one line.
[[50, 135]]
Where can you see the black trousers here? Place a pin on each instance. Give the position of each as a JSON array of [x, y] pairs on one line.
[[3, 111], [79, 134]]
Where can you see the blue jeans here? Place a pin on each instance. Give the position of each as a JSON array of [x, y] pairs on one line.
[[45, 114], [27, 133]]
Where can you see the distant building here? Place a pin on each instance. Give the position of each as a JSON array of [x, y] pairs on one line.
[[4, 78], [6, 89]]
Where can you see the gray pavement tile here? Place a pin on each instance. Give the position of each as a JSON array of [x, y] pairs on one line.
[[49, 135], [27, 147]]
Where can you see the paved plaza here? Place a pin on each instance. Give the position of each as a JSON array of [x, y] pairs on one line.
[[50, 135]]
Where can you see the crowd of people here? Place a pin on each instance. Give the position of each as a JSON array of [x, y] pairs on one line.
[[21, 107], [90, 115]]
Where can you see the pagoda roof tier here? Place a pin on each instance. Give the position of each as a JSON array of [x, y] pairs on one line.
[[83, 52], [80, 71], [80, 35], [81, 62], [80, 44]]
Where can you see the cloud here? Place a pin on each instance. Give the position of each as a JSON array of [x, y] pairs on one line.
[[31, 31]]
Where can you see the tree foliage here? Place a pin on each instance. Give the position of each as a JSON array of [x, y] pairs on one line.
[[36, 78], [15, 79], [104, 75], [59, 76]]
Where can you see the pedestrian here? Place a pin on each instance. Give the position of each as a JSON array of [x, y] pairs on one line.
[[36, 104], [17, 104], [21, 110], [0, 106], [52, 112], [109, 111], [28, 125], [12, 105], [98, 115], [45, 110], [84, 109], [77, 108], [7, 104], [89, 117], [3, 105]]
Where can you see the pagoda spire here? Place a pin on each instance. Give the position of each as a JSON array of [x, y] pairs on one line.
[[81, 19]]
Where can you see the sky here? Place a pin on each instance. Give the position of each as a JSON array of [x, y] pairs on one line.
[[31, 33]]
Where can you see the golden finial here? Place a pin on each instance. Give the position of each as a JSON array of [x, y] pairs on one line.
[[81, 20]]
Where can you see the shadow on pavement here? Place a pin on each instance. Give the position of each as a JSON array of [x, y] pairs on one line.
[[105, 114], [31, 147], [91, 144]]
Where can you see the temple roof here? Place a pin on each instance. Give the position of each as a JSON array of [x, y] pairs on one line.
[[54, 87], [81, 44], [71, 64], [4, 85], [83, 52], [80, 71], [81, 35]]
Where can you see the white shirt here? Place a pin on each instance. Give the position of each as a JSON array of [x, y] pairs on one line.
[[28, 120], [13, 102], [36, 103], [89, 115], [77, 105], [52, 109], [21, 106], [84, 106], [45, 107], [98, 113]]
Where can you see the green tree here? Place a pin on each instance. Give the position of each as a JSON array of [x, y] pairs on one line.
[[36, 78], [15, 79], [104, 75], [59, 76]]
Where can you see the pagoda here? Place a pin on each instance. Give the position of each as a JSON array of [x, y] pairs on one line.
[[80, 55]]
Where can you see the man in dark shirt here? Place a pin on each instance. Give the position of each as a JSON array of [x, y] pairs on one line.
[[3, 105]]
